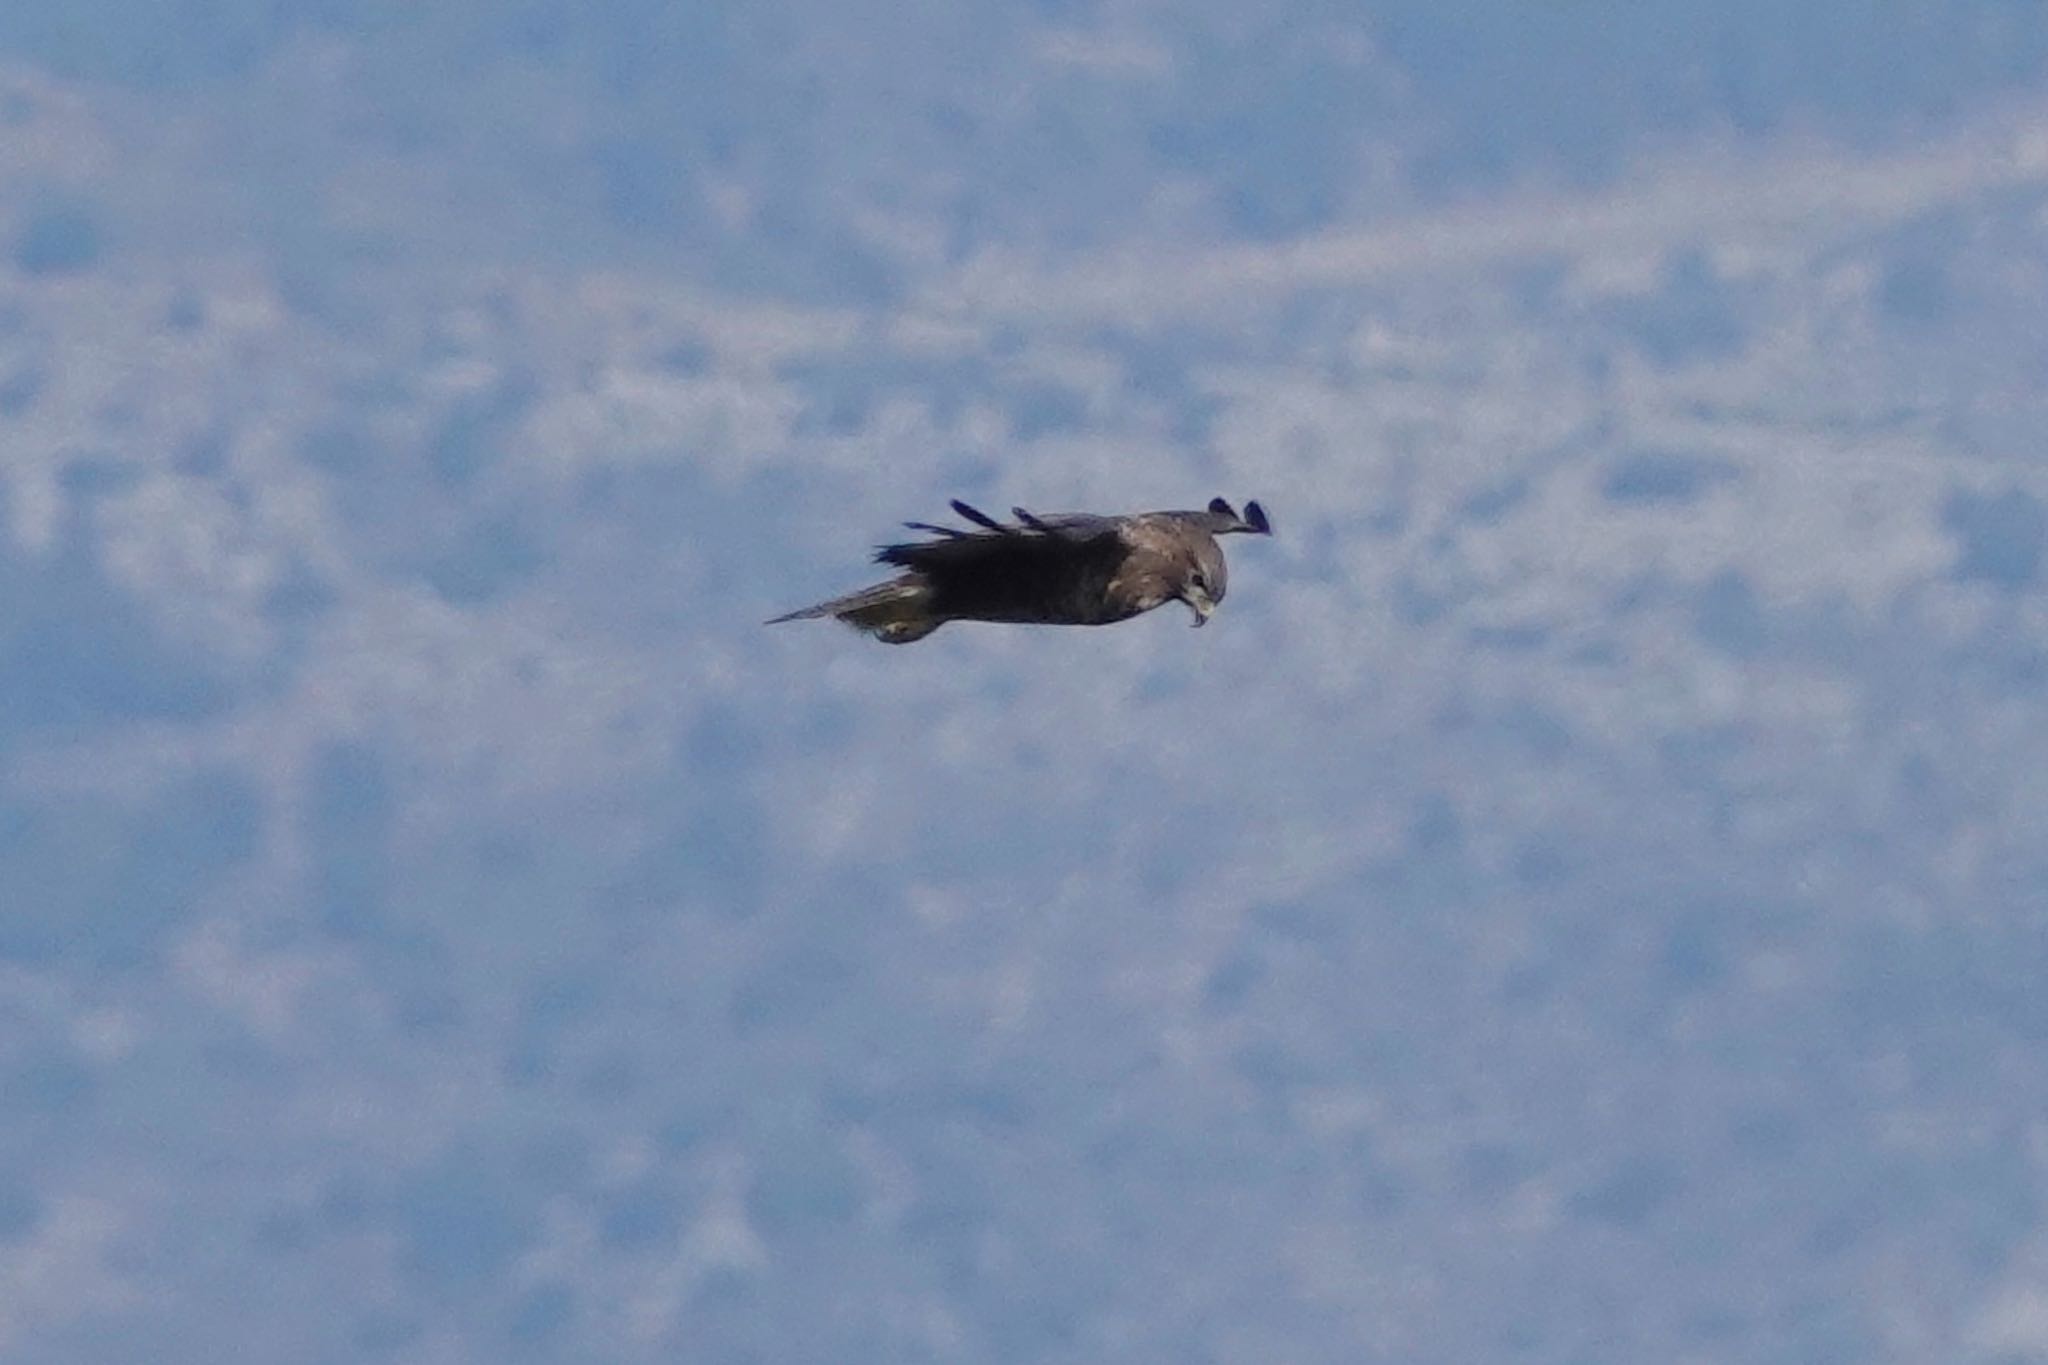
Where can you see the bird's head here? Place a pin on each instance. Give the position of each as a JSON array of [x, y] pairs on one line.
[[1204, 579]]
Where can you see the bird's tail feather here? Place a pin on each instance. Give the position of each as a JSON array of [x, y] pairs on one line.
[[898, 611]]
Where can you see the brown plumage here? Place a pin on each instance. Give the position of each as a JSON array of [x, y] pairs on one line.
[[1072, 569]]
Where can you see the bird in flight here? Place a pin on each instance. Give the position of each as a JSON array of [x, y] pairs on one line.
[[1068, 569]]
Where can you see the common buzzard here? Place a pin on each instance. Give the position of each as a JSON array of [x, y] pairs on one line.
[[1071, 569]]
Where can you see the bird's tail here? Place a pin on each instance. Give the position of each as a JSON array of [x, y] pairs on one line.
[[895, 612]]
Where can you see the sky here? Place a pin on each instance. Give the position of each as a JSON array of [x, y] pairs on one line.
[[1580, 900]]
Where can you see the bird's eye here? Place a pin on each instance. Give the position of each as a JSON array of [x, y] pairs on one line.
[[1201, 582]]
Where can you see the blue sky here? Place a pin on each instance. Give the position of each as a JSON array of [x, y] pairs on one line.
[[1580, 899]]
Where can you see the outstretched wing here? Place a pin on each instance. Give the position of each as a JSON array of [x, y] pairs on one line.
[[1030, 539], [1221, 519], [1052, 569]]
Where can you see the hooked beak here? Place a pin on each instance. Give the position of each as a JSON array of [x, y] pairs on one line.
[[1202, 607]]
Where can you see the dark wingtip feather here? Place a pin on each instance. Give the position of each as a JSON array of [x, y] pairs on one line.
[[1255, 517], [977, 516], [1222, 509]]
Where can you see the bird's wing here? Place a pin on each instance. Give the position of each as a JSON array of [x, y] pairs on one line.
[[1221, 519], [1051, 569], [1029, 539], [1070, 525]]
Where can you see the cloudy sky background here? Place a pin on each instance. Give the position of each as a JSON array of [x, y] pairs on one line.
[[1584, 898]]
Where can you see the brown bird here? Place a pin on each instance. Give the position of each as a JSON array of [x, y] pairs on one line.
[[1070, 569]]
